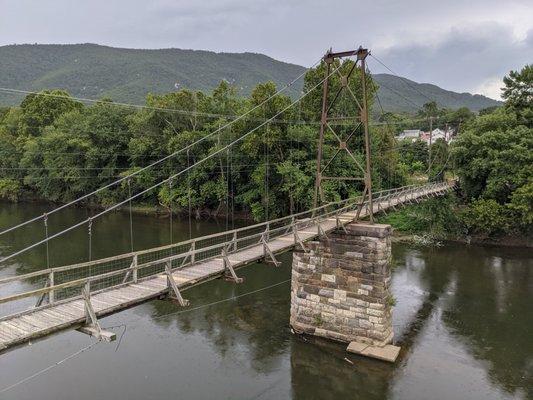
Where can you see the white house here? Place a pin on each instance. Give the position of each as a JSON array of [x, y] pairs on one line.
[[417, 134], [412, 134], [438, 134]]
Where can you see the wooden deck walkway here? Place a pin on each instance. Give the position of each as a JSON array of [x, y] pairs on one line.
[[74, 314]]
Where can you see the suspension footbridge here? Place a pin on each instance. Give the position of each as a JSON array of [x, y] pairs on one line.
[[76, 296]]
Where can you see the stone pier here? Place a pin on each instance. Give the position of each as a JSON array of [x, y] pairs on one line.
[[340, 289]]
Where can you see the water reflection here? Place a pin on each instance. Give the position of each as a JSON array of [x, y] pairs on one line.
[[110, 235], [490, 313], [477, 314], [319, 371], [463, 319], [258, 321]]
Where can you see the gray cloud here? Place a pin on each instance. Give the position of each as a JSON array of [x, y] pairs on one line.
[[456, 44], [470, 59]]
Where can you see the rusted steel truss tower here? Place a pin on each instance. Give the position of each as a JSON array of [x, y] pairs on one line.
[[361, 125]]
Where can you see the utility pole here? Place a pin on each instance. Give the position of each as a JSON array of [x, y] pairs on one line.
[[360, 122], [430, 141]]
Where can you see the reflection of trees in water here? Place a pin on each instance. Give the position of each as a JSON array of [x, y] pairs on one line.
[[258, 322], [319, 371], [489, 309], [491, 313], [110, 234], [435, 277]]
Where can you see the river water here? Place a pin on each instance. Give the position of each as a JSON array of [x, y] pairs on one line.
[[463, 318]]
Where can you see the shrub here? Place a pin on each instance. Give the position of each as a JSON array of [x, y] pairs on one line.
[[522, 204], [486, 216], [9, 189], [436, 217]]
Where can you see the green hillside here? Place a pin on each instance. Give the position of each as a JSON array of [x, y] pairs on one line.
[[402, 94], [93, 71]]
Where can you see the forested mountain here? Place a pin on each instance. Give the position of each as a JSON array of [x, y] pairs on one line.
[[402, 94], [93, 71]]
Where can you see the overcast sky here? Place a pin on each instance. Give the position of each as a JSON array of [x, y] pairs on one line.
[[461, 45]]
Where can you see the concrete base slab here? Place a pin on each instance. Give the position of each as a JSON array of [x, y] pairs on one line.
[[92, 331], [357, 347], [386, 353]]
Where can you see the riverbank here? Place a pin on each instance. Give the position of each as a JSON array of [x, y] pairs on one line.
[[426, 223], [447, 219], [157, 211], [426, 239]]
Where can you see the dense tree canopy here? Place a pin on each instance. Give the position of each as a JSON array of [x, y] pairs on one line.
[[57, 149], [494, 158], [518, 94], [54, 148]]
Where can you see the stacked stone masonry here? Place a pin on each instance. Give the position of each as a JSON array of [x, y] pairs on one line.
[[341, 286]]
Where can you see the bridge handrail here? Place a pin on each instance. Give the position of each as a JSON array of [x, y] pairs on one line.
[[188, 241], [384, 194]]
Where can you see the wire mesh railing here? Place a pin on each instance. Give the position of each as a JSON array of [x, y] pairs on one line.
[[51, 286]]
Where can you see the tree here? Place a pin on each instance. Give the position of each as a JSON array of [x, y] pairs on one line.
[[518, 93], [266, 148], [385, 159], [54, 164], [486, 217], [9, 189], [11, 145], [494, 156], [522, 204], [295, 183], [312, 103], [430, 109], [457, 118], [439, 160], [414, 155], [3, 112], [488, 110], [40, 110]]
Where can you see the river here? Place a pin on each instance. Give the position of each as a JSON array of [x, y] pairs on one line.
[[463, 317]]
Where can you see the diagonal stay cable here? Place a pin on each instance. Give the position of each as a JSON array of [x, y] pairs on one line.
[[116, 182], [201, 161], [51, 366], [405, 80]]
